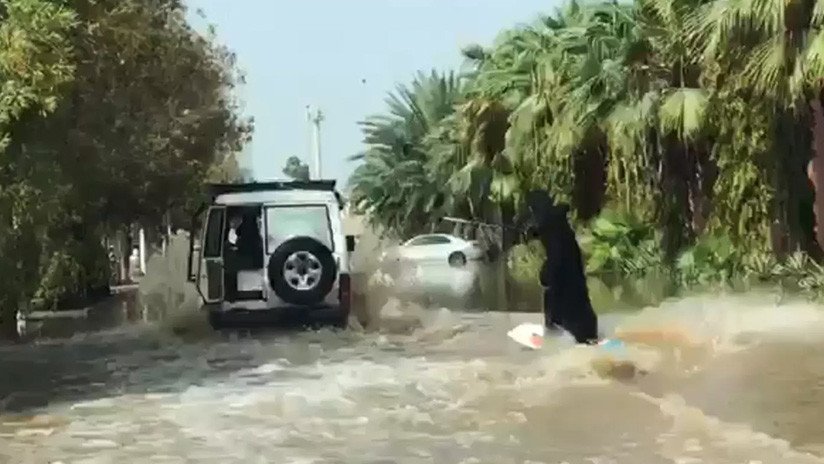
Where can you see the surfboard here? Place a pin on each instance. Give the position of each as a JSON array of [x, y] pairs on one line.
[[611, 363], [528, 334], [532, 335]]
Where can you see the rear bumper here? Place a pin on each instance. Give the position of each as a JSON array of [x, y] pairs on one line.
[[279, 314]]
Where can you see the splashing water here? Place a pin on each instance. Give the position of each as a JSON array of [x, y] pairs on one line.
[[740, 384], [714, 379], [165, 295]]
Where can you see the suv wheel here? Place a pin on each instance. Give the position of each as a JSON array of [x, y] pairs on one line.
[[302, 271]]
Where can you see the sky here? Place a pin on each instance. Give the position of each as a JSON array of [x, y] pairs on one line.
[[342, 56]]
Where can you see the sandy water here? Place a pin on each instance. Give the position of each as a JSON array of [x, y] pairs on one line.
[[744, 383]]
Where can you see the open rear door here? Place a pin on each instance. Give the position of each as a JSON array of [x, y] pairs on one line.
[[210, 267], [195, 244]]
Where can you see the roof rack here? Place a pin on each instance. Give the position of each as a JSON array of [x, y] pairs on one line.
[[220, 189]]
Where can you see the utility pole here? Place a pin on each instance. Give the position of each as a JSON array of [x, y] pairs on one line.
[[142, 250], [315, 118], [167, 237]]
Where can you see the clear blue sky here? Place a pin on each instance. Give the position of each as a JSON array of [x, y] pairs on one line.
[[301, 52]]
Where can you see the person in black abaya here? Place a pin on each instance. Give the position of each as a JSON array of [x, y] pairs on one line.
[[566, 296]]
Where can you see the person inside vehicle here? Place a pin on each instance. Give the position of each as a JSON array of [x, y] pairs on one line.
[[250, 240], [231, 234], [245, 250]]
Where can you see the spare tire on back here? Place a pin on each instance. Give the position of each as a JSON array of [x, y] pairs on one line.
[[302, 271]]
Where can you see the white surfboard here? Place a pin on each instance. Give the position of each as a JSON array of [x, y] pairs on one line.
[[611, 363], [531, 335]]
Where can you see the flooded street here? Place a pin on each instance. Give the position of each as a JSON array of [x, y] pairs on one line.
[[744, 385], [421, 177]]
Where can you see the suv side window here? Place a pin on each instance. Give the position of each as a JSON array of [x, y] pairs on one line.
[[285, 222], [213, 241]]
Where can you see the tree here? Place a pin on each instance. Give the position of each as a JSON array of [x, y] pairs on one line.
[[396, 183], [296, 169], [695, 116], [35, 65], [774, 55], [117, 113]]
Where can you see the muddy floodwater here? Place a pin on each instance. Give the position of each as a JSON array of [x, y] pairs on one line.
[[736, 380], [711, 379]]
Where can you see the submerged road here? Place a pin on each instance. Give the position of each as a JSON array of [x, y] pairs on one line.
[[744, 385]]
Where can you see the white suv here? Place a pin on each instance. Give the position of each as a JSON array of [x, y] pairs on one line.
[[270, 250]]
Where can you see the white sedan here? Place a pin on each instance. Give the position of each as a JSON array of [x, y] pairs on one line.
[[439, 247]]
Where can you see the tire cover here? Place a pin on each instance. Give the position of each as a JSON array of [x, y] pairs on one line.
[[282, 288]]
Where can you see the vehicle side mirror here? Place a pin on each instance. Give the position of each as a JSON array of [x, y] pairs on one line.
[[350, 243]]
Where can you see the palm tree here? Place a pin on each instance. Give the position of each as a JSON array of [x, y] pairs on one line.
[[610, 105], [394, 183], [774, 53], [615, 103]]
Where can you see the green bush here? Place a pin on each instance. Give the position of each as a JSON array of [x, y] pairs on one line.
[[614, 245], [624, 261], [711, 260], [69, 274], [62, 275], [801, 273], [617, 244], [525, 260]]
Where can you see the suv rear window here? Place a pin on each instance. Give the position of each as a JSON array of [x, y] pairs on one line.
[[285, 222]]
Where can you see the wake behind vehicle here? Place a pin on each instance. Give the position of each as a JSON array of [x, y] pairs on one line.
[[270, 250]]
